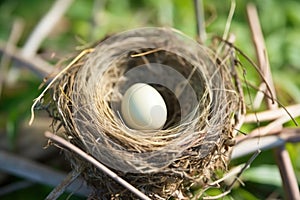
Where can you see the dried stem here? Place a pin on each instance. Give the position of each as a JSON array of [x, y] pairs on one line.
[[244, 167], [35, 172], [60, 188], [233, 172], [41, 31], [272, 128], [283, 160], [44, 27], [200, 21], [35, 64], [227, 27], [229, 19], [13, 39], [289, 180], [249, 145], [269, 115], [259, 97], [261, 52], [92, 160]]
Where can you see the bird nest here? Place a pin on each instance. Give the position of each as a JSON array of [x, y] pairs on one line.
[[201, 100]]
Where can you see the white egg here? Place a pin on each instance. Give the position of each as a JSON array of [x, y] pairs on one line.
[[143, 108]]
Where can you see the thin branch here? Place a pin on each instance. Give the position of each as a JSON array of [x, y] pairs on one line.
[[41, 31], [249, 146], [96, 163], [229, 19], [260, 95], [239, 117], [272, 128], [36, 172], [257, 69], [233, 172], [261, 51], [227, 27], [248, 163], [200, 21], [283, 159], [13, 39], [35, 64], [266, 95], [44, 27], [244, 167], [287, 173], [269, 115], [60, 188]]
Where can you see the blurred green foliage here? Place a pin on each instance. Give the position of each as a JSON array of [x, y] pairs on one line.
[[88, 21]]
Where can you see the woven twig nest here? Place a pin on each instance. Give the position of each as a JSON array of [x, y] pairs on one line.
[[201, 100]]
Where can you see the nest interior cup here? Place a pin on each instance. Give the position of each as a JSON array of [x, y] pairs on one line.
[[197, 91]]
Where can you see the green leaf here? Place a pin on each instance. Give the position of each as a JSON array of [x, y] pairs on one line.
[[292, 11], [241, 194], [272, 15], [275, 44], [215, 191], [263, 174], [292, 50]]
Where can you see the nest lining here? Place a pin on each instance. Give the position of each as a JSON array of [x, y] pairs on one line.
[[199, 94]]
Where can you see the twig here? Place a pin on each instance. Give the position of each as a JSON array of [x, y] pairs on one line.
[[41, 31], [249, 146], [200, 21], [240, 115], [44, 27], [259, 97], [233, 172], [244, 167], [229, 19], [261, 52], [60, 188], [257, 69], [289, 180], [35, 64], [249, 162], [271, 99], [227, 27], [284, 163], [100, 166], [13, 39], [291, 135], [35, 172], [269, 115], [272, 128]]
